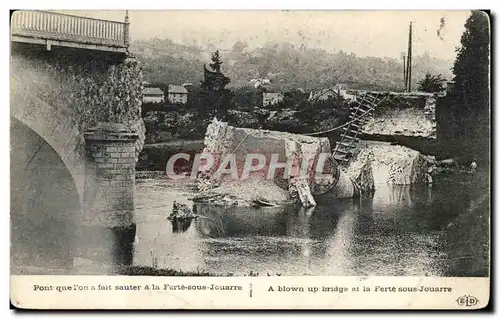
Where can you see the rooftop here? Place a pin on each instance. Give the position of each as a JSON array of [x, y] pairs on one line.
[[176, 89], [152, 91], [322, 94]]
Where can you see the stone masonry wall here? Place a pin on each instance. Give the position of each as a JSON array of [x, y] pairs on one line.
[[112, 162], [404, 116], [60, 100]]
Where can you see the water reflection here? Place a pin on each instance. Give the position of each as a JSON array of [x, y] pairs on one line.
[[400, 230], [219, 221]]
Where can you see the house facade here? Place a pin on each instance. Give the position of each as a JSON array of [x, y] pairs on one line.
[[153, 95], [322, 95], [271, 98], [338, 90], [177, 94]]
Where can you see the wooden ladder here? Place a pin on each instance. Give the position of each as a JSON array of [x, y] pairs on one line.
[[360, 111]]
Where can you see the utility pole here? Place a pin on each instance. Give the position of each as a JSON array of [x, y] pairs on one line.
[[408, 61], [404, 70]]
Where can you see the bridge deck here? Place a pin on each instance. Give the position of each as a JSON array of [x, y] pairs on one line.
[[58, 29]]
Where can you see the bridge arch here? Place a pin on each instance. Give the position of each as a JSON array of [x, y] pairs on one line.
[[52, 123], [45, 203]]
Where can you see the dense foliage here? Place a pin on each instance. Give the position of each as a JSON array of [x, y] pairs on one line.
[[286, 65], [431, 83], [94, 92], [468, 101]]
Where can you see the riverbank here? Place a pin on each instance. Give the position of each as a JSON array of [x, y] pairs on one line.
[[155, 156], [151, 271]]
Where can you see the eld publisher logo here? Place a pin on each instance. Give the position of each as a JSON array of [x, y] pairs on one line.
[[467, 301]]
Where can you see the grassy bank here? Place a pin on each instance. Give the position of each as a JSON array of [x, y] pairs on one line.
[[150, 271]]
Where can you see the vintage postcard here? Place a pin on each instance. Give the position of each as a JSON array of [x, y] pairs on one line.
[[250, 159]]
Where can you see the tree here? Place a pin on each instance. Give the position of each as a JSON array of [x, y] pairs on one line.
[[214, 93], [216, 62], [471, 68], [246, 98], [431, 83], [468, 100]]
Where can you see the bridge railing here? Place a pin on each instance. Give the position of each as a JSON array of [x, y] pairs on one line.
[[65, 27]]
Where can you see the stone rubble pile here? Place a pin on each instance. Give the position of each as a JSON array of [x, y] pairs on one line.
[[396, 164], [222, 140], [376, 163]]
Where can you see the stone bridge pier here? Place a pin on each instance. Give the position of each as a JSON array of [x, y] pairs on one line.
[[108, 226]]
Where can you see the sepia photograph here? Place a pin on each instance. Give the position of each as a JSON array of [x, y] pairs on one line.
[[250, 144]]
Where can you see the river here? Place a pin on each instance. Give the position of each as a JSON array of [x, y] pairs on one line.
[[416, 230]]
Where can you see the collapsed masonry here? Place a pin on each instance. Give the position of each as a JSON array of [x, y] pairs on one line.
[[414, 115], [372, 163], [311, 168], [411, 115], [396, 164]]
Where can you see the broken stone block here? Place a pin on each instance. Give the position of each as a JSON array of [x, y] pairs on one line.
[[181, 217], [297, 152], [397, 165], [300, 192], [297, 155], [307, 167], [300, 179], [361, 173], [344, 188]]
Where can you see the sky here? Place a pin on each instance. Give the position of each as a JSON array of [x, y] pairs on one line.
[[365, 33]]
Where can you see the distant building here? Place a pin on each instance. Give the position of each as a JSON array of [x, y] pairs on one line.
[[349, 94], [187, 85], [271, 98], [338, 90], [260, 82], [177, 94], [153, 95], [323, 94]]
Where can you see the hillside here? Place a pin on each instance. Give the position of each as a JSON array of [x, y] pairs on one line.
[[287, 65]]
